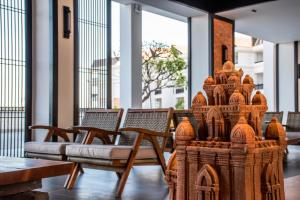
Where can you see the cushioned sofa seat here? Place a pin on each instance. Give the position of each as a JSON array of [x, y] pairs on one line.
[[54, 148], [109, 152]]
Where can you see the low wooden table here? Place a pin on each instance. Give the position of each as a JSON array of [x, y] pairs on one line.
[[20, 176]]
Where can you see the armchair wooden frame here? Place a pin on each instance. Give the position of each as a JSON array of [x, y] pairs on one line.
[[90, 116], [123, 169], [54, 131]]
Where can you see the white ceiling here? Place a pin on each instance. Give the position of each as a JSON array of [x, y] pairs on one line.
[[277, 21], [166, 8]]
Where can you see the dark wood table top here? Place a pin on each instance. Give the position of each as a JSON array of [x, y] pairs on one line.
[[20, 170]]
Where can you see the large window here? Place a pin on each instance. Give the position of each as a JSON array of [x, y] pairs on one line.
[[13, 68], [170, 38], [93, 55], [165, 54]]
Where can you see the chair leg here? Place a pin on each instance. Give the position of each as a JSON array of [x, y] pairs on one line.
[[81, 169], [129, 165], [159, 153], [119, 174], [72, 177], [123, 181]]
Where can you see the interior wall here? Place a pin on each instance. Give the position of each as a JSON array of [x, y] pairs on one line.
[[286, 78], [40, 64], [270, 74], [223, 33], [200, 53], [65, 68]]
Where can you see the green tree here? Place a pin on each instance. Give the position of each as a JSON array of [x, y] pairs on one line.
[[180, 104], [162, 67]]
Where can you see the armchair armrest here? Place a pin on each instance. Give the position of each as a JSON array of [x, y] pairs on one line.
[[147, 132], [89, 129], [53, 128], [53, 131], [96, 132], [41, 127]]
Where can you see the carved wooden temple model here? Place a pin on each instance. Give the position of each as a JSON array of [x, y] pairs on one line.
[[228, 157]]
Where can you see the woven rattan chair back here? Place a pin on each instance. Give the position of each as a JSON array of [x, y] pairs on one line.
[[178, 115], [152, 119], [293, 122], [268, 117], [101, 118]]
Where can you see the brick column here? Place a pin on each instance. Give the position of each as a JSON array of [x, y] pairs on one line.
[[193, 166], [280, 172], [181, 169], [223, 164], [184, 134], [257, 175], [242, 168]]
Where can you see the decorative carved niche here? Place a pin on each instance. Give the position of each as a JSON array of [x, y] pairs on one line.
[[207, 183], [271, 183], [215, 124]]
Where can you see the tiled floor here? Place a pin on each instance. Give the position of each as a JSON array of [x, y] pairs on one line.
[[146, 183]]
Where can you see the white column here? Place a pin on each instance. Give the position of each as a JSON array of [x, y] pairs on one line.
[[131, 57], [41, 64], [200, 52], [286, 78], [270, 74]]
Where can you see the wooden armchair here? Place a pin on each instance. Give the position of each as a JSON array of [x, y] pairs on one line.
[[293, 127], [106, 120], [268, 117], [140, 142]]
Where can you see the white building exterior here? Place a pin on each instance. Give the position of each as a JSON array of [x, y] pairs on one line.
[[249, 56]]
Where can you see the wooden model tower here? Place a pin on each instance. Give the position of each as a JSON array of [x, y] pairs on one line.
[[228, 158]]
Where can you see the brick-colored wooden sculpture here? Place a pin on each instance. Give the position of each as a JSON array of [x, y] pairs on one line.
[[231, 160]]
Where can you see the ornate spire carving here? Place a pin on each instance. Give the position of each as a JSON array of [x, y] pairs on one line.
[[237, 98], [259, 99], [199, 100], [185, 131], [242, 133]]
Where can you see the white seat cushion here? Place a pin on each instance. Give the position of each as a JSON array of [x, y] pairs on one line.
[[56, 148], [108, 152]]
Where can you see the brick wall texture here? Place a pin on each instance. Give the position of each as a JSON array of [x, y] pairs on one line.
[[222, 36]]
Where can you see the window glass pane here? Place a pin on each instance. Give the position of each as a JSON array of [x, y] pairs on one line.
[[165, 54], [12, 77]]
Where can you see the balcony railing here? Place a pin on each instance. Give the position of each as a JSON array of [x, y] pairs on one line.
[[12, 133], [259, 86]]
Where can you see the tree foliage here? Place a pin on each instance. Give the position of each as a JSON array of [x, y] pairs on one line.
[[162, 67]]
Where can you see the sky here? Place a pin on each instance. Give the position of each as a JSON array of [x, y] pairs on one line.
[[155, 27]]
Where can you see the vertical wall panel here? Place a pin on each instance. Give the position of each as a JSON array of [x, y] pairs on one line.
[[13, 68], [92, 56]]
